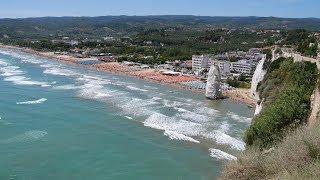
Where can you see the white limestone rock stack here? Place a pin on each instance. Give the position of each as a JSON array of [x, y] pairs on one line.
[[213, 87]]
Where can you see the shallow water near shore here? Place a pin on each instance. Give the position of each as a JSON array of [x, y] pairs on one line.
[[65, 121]]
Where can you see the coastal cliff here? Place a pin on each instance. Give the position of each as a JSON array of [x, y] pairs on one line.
[[256, 79], [283, 140]]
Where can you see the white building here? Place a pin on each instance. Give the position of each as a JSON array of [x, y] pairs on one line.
[[199, 62], [224, 66], [243, 66]]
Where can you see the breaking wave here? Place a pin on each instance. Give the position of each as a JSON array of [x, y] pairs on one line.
[[136, 89], [39, 101], [21, 80], [239, 118], [177, 136], [58, 71], [67, 87], [216, 153], [10, 71]]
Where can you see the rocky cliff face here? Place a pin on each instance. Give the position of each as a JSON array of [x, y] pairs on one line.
[[213, 88], [257, 77]]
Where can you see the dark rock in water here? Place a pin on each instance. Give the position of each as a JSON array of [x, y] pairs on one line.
[[213, 88]]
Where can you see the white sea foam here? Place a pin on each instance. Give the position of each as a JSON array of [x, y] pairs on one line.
[[21, 80], [93, 80], [136, 89], [206, 111], [5, 52], [156, 98], [39, 101], [239, 118], [24, 57], [150, 87], [177, 129], [3, 63], [170, 103], [128, 117], [223, 138], [10, 71], [94, 91], [180, 109], [216, 153], [177, 136], [138, 107], [189, 115], [59, 71], [47, 65], [224, 127], [28, 136], [32, 60], [67, 87]]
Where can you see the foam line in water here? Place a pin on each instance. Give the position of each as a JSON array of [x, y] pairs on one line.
[[138, 107], [21, 80], [136, 89], [128, 117], [177, 136], [23, 56], [218, 154], [239, 118], [67, 87], [32, 60], [39, 101], [175, 129], [94, 91], [10, 71], [223, 138], [3, 63], [59, 71]]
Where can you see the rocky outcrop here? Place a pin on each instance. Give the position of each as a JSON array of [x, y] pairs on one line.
[[213, 88], [259, 106]]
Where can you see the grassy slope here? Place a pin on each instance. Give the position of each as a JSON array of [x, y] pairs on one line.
[[297, 157]]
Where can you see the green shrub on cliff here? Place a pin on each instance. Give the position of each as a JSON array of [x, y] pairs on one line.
[[287, 88]]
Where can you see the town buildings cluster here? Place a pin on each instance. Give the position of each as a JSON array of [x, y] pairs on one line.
[[236, 61]]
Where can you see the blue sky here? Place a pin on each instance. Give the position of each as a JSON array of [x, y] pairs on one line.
[[278, 8]]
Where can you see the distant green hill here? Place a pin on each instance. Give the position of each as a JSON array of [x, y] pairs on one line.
[[126, 25]]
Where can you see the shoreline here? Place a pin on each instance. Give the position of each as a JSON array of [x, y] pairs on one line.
[[239, 95]]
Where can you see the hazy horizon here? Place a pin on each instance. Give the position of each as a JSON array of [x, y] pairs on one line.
[[93, 8], [159, 15]]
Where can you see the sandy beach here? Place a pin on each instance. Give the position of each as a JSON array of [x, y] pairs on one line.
[[240, 95]]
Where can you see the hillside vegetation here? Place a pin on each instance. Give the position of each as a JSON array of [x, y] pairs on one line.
[[279, 144], [125, 25], [287, 88]]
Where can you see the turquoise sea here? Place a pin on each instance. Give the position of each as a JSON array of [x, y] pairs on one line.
[[64, 121]]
